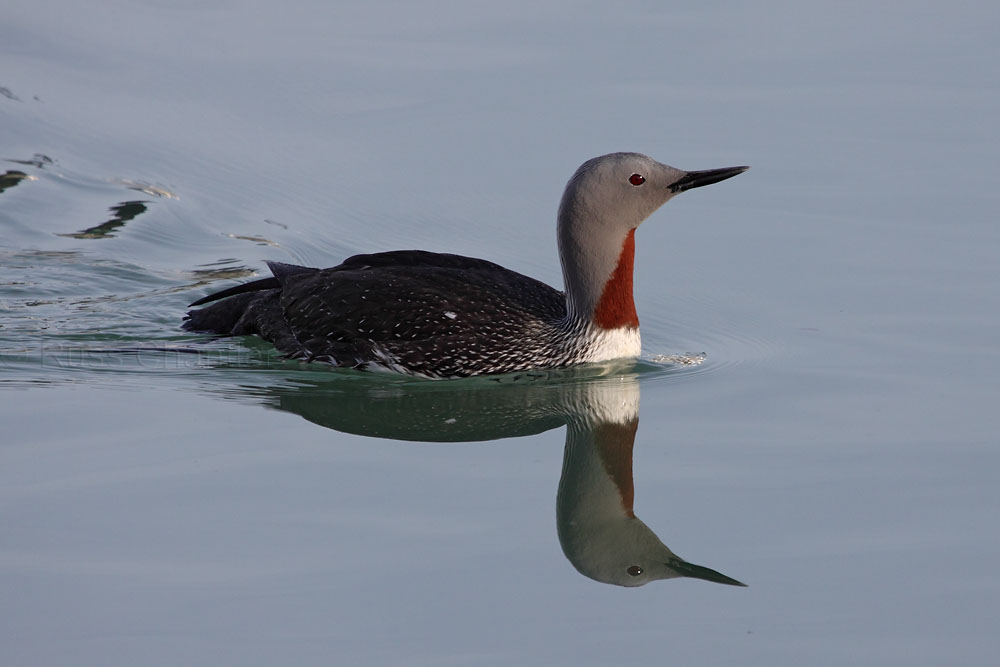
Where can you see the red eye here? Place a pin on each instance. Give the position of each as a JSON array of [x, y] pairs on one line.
[[636, 179]]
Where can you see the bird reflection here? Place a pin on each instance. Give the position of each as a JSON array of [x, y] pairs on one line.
[[597, 526], [598, 529]]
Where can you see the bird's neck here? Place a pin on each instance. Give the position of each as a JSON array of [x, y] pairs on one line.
[[616, 307], [596, 485], [597, 274]]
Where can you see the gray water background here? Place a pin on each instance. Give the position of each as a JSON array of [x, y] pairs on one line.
[[836, 449]]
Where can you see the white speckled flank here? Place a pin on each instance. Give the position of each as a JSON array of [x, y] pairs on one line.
[[564, 344], [446, 316]]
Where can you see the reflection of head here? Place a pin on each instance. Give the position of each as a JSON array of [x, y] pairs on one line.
[[598, 529]]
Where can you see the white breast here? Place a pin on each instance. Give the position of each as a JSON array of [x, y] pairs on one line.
[[607, 344]]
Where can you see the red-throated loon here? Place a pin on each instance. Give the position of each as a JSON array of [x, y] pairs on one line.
[[443, 316]]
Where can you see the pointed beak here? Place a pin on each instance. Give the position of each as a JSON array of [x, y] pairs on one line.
[[696, 179], [686, 569]]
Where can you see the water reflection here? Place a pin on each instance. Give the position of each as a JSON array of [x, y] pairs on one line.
[[120, 214], [597, 526], [39, 160], [11, 177]]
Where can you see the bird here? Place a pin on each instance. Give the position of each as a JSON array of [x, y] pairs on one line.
[[440, 316]]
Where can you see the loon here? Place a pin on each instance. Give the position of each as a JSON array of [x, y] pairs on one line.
[[440, 316]]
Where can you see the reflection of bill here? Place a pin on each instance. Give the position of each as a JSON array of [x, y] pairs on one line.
[[598, 530]]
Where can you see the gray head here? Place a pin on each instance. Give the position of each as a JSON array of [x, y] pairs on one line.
[[608, 197]]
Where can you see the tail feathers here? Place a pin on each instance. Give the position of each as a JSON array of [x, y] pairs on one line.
[[281, 272], [227, 316], [222, 317], [253, 286]]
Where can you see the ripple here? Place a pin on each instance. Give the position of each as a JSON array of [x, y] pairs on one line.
[[13, 177], [707, 336], [145, 188]]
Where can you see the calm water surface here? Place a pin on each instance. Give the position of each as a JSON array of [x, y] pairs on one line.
[[171, 499]]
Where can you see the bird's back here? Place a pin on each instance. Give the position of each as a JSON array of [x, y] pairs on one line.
[[411, 311]]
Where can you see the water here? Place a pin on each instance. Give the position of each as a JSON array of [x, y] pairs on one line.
[[168, 498]]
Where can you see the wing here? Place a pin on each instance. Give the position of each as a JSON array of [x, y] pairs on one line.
[[419, 312]]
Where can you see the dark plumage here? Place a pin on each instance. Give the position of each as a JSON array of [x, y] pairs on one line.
[[420, 312]]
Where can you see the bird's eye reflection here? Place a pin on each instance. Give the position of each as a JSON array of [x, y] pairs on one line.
[[634, 570], [636, 179]]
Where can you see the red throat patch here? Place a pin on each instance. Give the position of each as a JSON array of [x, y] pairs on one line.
[[616, 308], [615, 447]]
